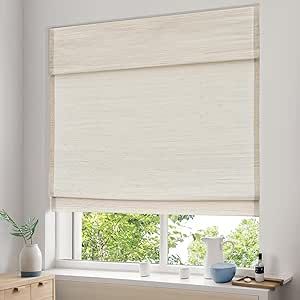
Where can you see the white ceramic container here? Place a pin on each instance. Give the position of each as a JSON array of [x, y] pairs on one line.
[[214, 253], [30, 261], [145, 269], [184, 272]]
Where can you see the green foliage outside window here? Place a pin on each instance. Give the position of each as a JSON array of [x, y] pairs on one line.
[[135, 238], [246, 241], [197, 248], [120, 237], [246, 244]]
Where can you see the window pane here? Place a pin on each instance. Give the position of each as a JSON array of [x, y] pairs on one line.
[[185, 233], [110, 237]]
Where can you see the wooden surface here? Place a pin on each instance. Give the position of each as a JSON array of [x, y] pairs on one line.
[[42, 290], [156, 134], [199, 37], [269, 283], [13, 280], [68, 290], [13, 287], [18, 293]]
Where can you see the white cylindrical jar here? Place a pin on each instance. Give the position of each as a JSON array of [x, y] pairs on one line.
[[184, 272], [145, 269], [30, 261]]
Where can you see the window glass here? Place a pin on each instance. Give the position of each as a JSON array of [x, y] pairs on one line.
[[114, 237], [185, 233]]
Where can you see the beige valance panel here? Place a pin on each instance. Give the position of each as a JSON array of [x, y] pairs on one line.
[[200, 37], [207, 208], [140, 126]]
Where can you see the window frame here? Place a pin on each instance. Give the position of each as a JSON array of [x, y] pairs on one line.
[[72, 225], [69, 226]]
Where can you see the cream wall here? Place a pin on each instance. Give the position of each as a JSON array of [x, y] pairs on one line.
[[11, 126], [280, 62], [94, 291], [280, 138]]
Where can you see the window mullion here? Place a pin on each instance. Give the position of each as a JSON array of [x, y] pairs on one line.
[[64, 235], [163, 241], [77, 235]]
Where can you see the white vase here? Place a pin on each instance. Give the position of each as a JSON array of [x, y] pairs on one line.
[[30, 260]]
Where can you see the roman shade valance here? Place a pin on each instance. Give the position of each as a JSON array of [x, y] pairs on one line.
[[156, 114]]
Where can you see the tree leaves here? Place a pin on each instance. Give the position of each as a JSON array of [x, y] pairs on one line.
[[197, 248], [120, 237], [246, 244], [133, 238], [25, 231]]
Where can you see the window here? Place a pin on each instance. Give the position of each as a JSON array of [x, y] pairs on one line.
[[120, 237], [161, 239], [185, 233], [155, 137]]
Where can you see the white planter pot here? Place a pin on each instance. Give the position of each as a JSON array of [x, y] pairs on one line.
[[30, 260]]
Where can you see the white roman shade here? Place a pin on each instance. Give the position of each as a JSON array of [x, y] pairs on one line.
[[156, 114]]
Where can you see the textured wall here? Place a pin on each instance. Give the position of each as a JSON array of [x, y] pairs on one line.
[[11, 125], [280, 142]]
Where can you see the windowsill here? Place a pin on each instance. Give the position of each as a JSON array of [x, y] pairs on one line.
[[162, 280]]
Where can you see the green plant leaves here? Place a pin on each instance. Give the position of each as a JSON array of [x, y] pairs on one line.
[[25, 231], [29, 227]]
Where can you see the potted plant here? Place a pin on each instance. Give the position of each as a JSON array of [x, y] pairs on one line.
[[30, 258]]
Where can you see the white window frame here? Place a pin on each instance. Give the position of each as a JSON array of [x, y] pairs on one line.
[[69, 226], [69, 241]]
